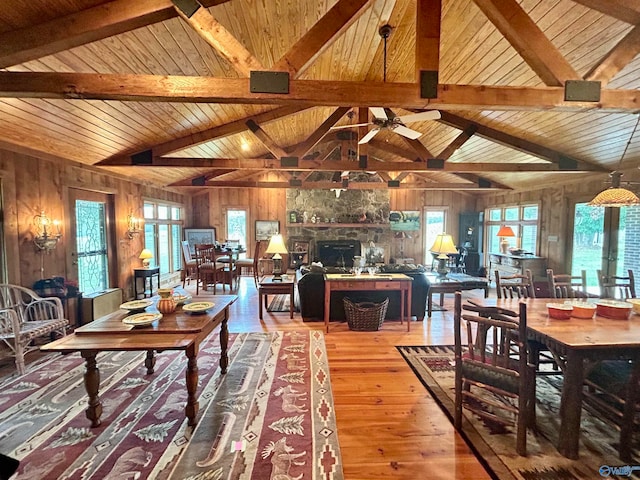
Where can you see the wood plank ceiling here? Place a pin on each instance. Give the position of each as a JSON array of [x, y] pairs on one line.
[[99, 82]]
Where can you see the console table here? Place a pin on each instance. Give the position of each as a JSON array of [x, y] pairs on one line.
[[145, 273], [517, 265], [352, 282]]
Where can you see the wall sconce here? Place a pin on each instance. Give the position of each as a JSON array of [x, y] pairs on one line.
[[133, 226], [47, 232]]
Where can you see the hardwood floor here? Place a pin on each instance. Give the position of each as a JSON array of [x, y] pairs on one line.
[[388, 424]]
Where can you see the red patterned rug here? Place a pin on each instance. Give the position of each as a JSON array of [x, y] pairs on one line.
[[270, 416]]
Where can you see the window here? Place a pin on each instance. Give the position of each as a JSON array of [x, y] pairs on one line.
[[523, 220], [434, 223], [237, 226], [91, 244], [162, 235]]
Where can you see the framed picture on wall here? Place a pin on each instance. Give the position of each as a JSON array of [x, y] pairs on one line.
[[197, 236], [405, 221], [265, 229]]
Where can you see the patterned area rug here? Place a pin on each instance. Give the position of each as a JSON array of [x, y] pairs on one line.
[[280, 303], [434, 365], [270, 416]]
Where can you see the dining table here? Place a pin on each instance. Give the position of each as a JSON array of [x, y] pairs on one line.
[[577, 344], [148, 330]]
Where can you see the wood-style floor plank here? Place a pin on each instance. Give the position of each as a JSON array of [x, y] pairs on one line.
[[389, 426]]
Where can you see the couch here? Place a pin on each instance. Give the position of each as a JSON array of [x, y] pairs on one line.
[[311, 293]]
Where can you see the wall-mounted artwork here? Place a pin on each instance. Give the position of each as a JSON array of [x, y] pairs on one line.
[[265, 229], [406, 221], [196, 236]]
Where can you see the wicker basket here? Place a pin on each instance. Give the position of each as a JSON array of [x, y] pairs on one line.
[[365, 316]]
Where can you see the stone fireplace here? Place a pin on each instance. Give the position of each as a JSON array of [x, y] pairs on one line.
[[357, 215]]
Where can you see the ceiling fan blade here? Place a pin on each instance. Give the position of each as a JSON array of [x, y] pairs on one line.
[[420, 117], [349, 126], [378, 112], [407, 132], [369, 136]]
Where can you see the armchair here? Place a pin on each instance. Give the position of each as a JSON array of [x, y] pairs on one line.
[[25, 316]]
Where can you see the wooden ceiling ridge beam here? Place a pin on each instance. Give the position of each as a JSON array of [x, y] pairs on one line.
[[85, 26], [529, 41], [320, 36], [335, 93], [457, 142], [221, 39], [194, 139], [520, 144]]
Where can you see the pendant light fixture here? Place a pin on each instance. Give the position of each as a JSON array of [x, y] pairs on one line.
[[616, 196]]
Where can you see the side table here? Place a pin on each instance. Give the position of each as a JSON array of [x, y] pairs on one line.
[[144, 274], [268, 287]]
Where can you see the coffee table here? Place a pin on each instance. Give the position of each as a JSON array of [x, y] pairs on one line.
[[451, 284], [174, 331], [269, 286]]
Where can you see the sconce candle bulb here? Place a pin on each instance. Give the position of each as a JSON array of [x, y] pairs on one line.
[[133, 226], [44, 238]]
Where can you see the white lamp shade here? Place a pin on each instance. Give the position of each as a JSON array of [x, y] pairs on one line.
[[443, 245], [276, 245]]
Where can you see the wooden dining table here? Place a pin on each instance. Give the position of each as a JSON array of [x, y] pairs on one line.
[[174, 331], [578, 344]]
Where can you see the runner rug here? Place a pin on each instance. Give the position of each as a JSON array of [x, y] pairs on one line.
[[280, 303], [270, 416], [434, 365]]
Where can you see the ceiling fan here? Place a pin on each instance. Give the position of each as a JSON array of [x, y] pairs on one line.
[[384, 118]]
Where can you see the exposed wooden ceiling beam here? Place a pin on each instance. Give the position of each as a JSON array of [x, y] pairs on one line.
[[528, 40], [265, 139], [625, 10], [320, 37], [329, 185], [320, 132], [212, 31], [618, 58], [519, 144], [82, 27], [266, 164], [152, 88], [423, 153], [460, 140], [428, 13], [399, 152]]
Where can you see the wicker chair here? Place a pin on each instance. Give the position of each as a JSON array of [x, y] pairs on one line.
[[25, 316], [494, 363]]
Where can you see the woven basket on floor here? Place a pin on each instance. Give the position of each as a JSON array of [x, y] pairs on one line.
[[365, 316]]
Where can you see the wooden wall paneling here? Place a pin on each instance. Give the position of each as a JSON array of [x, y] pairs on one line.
[[10, 217]]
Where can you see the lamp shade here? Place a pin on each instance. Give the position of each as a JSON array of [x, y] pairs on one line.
[[505, 231], [443, 245], [276, 245], [146, 254], [615, 197]]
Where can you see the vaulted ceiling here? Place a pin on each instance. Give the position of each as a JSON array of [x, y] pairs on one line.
[[170, 91]]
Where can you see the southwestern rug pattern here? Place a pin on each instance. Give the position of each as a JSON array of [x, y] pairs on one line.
[[280, 303], [270, 416], [435, 366]]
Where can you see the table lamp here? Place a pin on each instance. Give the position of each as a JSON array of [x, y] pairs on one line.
[[503, 233], [443, 247], [146, 256], [277, 248]]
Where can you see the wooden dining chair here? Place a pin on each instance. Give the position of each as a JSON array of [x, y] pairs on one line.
[[189, 265], [493, 378], [515, 286], [209, 272], [612, 286], [247, 263], [612, 389], [564, 285]]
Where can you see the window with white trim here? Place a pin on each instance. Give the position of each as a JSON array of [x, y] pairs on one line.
[[162, 234], [523, 220]]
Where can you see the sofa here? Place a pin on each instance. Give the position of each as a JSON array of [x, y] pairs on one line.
[[310, 293]]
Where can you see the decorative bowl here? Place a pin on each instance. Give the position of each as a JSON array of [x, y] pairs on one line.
[[614, 309], [137, 305], [582, 309], [559, 311], [636, 304], [180, 298]]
